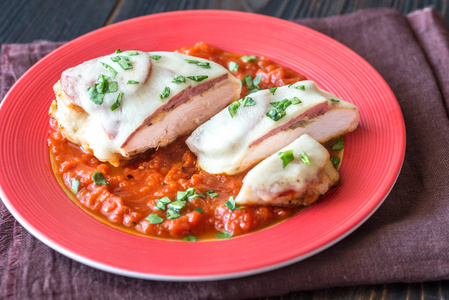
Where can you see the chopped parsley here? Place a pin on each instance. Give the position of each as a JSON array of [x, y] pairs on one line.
[[132, 82], [172, 214], [202, 64], [286, 157], [197, 195], [247, 58], [155, 57], [199, 209], [132, 53], [179, 79], [118, 51], [252, 84], [75, 185], [300, 87], [305, 158], [273, 90], [154, 219], [116, 103], [335, 161], [224, 235], [233, 107], [183, 195], [162, 202], [165, 93], [233, 66], [295, 100], [190, 238], [340, 144], [94, 95], [211, 193], [232, 205], [99, 179], [248, 101], [123, 62], [103, 85], [335, 100], [198, 78]]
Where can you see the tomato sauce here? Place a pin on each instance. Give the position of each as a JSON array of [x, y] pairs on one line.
[[135, 185]]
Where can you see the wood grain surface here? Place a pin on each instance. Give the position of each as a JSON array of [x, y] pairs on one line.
[[24, 21]]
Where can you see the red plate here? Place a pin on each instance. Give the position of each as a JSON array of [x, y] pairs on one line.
[[30, 191]]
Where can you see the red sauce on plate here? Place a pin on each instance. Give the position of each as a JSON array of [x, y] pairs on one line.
[[136, 185]]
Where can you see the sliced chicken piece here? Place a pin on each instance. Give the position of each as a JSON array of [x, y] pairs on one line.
[[232, 144], [296, 175], [126, 103]]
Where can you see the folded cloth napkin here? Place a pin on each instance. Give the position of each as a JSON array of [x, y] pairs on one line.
[[407, 239]]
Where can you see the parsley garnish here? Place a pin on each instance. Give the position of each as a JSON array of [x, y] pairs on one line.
[[286, 157], [165, 93], [278, 111], [110, 69], [224, 235], [99, 179], [211, 193], [155, 57], [190, 238], [117, 102], [172, 214], [94, 95], [252, 84], [335, 100], [305, 158], [204, 65], [335, 161], [132, 53], [232, 205], [233, 66], [248, 101], [340, 144], [300, 87], [132, 82], [247, 58], [233, 107], [198, 78], [162, 202], [198, 209], [295, 100], [179, 79], [75, 185], [118, 51], [273, 90], [154, 219], [123, 62]]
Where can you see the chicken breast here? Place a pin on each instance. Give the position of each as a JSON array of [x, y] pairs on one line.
[[126, 103], [296, 175], [248, 131]]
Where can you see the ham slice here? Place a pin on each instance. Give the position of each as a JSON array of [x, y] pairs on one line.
[[300, 182], [232, 144], [162, 95]]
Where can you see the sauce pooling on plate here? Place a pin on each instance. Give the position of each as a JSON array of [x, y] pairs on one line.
[[163, 193]]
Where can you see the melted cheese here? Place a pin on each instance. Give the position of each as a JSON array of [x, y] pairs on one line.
[[223, 142], [267, 181]]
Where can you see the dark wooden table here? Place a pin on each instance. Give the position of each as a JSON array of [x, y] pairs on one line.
[[24, 21]]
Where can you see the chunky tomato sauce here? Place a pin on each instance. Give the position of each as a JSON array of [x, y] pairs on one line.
[[135, 185]]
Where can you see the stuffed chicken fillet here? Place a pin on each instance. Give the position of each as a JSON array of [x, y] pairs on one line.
[[128, 102], [256, 126]]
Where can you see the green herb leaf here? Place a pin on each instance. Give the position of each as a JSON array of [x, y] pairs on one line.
[[123, 62], [190, 238], [172, 214], [118, 51], [233, 66], [94, 95], [273, 90], [132, 82], [101, 84], [155, 57], [335, 100], [232, 205], [132, 53], [224, 235], [339, 145], [211, 193], [179, 79], [295, 100], [248, 101], [233, 107], [99, 179], [300, 87], [291, 84], [165, 93], [110, 69], [257, 80], [247, 58], [305, 158], [282, 105], [111, 87], [275, 114], [198, 78], [248, 81], [335, 161], [154, 219], [162, 202], [197, 195], [117, 102], [204, 65], [198, 209], [177, 205], [278, 112], [183, 195], [286, 157], [75, 185]]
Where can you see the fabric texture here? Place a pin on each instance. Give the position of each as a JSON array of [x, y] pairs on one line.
[[407, 239]]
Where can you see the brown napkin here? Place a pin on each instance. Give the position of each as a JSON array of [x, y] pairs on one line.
[[407, 239]]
